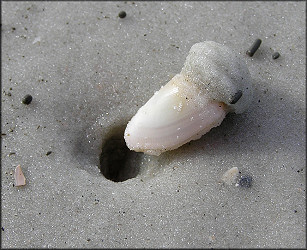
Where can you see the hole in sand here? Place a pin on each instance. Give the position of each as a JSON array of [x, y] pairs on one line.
[[117, 162]]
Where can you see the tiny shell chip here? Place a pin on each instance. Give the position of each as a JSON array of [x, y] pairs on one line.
[[229, 177], [20, 179]]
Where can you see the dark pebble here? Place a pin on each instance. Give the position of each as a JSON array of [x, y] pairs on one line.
[[254, 47], [122, 14], [27, 99], [49, 152], [275, 55], [245, 181], [236, 97]]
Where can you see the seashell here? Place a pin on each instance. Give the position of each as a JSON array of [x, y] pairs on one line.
[[230, 176], [20, 179], [212, 82]]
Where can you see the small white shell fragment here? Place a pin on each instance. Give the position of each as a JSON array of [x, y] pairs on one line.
[[192, 102], [37, 40], [20, 179], [230, 176]]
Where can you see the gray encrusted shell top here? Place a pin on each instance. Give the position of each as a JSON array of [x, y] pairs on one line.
[[220, 73]]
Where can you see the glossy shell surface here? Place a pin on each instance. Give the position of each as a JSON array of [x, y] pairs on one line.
[[213, 82]]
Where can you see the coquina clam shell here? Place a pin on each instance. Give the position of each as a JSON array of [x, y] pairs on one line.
[[212, 82]]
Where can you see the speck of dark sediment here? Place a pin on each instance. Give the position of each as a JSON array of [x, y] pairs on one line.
[[236, 97], [275, 55], [251, 51], [245, 181], [122, 14], [27, 99]]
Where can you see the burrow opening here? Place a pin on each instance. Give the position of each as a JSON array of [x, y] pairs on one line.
[[117, 162]]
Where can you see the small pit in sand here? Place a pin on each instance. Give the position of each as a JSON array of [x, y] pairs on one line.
[[117, 162]]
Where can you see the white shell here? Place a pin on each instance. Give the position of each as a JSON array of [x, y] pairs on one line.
[[189, 105], [230, 176]]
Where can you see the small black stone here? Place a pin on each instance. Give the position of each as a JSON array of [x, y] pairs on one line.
[[254, 47], [49, 152], [275, 55], [236, 97], [122, 14], [245, 181], [27, 99]]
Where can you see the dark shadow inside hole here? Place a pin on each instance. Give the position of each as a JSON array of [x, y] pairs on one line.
[[117, 162]]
